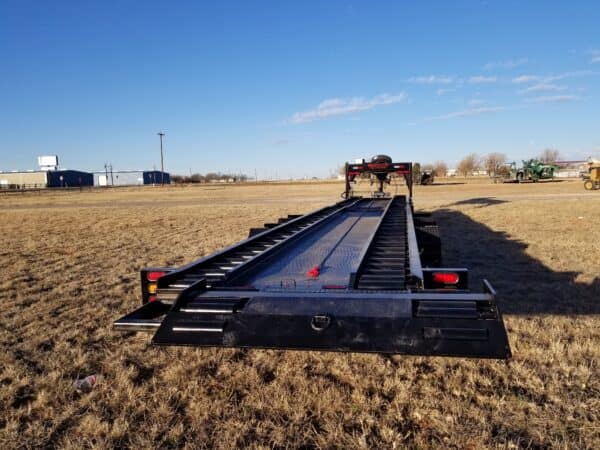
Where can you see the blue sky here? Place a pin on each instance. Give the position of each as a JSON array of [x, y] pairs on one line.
[[295, 88]]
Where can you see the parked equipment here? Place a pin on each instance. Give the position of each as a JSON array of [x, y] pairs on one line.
[[592, 178], [531, 170], [427, 177], [361, 275]]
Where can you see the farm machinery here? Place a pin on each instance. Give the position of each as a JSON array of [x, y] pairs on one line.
[[592, 177], [360, 275], [427, 177], [531, 170]]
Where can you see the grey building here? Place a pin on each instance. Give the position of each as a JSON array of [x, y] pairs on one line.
[[130, 177]]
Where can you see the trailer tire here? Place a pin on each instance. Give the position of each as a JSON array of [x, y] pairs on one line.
[[423, 218], [430, 247], [588, 185]]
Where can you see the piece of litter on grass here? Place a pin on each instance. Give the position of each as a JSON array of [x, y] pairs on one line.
[[85, 384], [580, 217]]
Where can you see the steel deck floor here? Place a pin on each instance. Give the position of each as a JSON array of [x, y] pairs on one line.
[[335, 248]]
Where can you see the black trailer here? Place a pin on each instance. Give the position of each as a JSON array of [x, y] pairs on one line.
[[362, 275]]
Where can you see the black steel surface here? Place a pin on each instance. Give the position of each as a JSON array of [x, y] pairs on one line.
[[259, 293]]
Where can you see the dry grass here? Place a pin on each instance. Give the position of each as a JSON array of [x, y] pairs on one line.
[[69, 268]]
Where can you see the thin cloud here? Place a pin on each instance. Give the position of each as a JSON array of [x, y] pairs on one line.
[[594, 56], [542, 87], [525, 79], [442, 91], [432, 79], [550, 78], [553, 99], [572, 74], [468, 113], [481, 79], [476, 101], [339, 106], [506, 64], [282, 142]]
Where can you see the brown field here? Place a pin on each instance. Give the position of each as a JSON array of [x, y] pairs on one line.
[[70, 262]]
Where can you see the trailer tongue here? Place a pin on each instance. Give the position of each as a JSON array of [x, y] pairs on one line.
[[358, 276]]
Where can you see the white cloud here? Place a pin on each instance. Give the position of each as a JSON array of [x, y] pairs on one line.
[[553, 99], [481, 79], [506, 64], [281, 142], [594, 56], [550, 78], [573, 74], [542, 87], [525, 79], [339, 106], [442, 91], [476, 101], [468, 113], [431, 79]]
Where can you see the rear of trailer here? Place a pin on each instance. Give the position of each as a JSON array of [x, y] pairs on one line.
[[361, 275]]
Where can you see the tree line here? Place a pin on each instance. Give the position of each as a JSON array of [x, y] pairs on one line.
[[473, 163], [210, 177]]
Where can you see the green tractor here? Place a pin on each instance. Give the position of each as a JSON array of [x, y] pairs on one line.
[[531, 170]]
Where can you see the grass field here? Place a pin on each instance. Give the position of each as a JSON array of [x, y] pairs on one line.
[[70, 262]]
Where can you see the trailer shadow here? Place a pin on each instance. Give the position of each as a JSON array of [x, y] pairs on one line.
[[480, 201], [524, 284], [447, 183]]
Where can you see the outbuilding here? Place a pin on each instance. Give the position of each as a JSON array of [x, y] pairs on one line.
[[130, 177], [69, 178], [35, 179]]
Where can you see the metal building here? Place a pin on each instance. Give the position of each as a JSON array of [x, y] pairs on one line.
[[69, 178], [156, 177], [130, 178], [41, 179], [23, 180]]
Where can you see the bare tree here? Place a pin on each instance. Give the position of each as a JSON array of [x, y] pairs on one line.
[[493, 161], [416, 171], [549, 155], [468, 165], [196, 178], [440, 168]]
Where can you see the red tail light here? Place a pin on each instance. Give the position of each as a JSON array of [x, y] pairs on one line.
[[153, 276], [313, 272], [152, 298], [445, 277]]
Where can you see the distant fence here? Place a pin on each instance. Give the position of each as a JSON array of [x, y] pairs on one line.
[[9, 189], [20, 187]]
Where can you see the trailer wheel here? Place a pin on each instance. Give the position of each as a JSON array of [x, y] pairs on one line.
[[430, 247], [588, 185], [423, 218]]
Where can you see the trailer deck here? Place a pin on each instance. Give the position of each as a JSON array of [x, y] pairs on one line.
[[334, 248], [347, 277]]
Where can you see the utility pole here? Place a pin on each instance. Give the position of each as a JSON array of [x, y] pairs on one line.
[[112, 181], [106, 174], [162, 163]]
